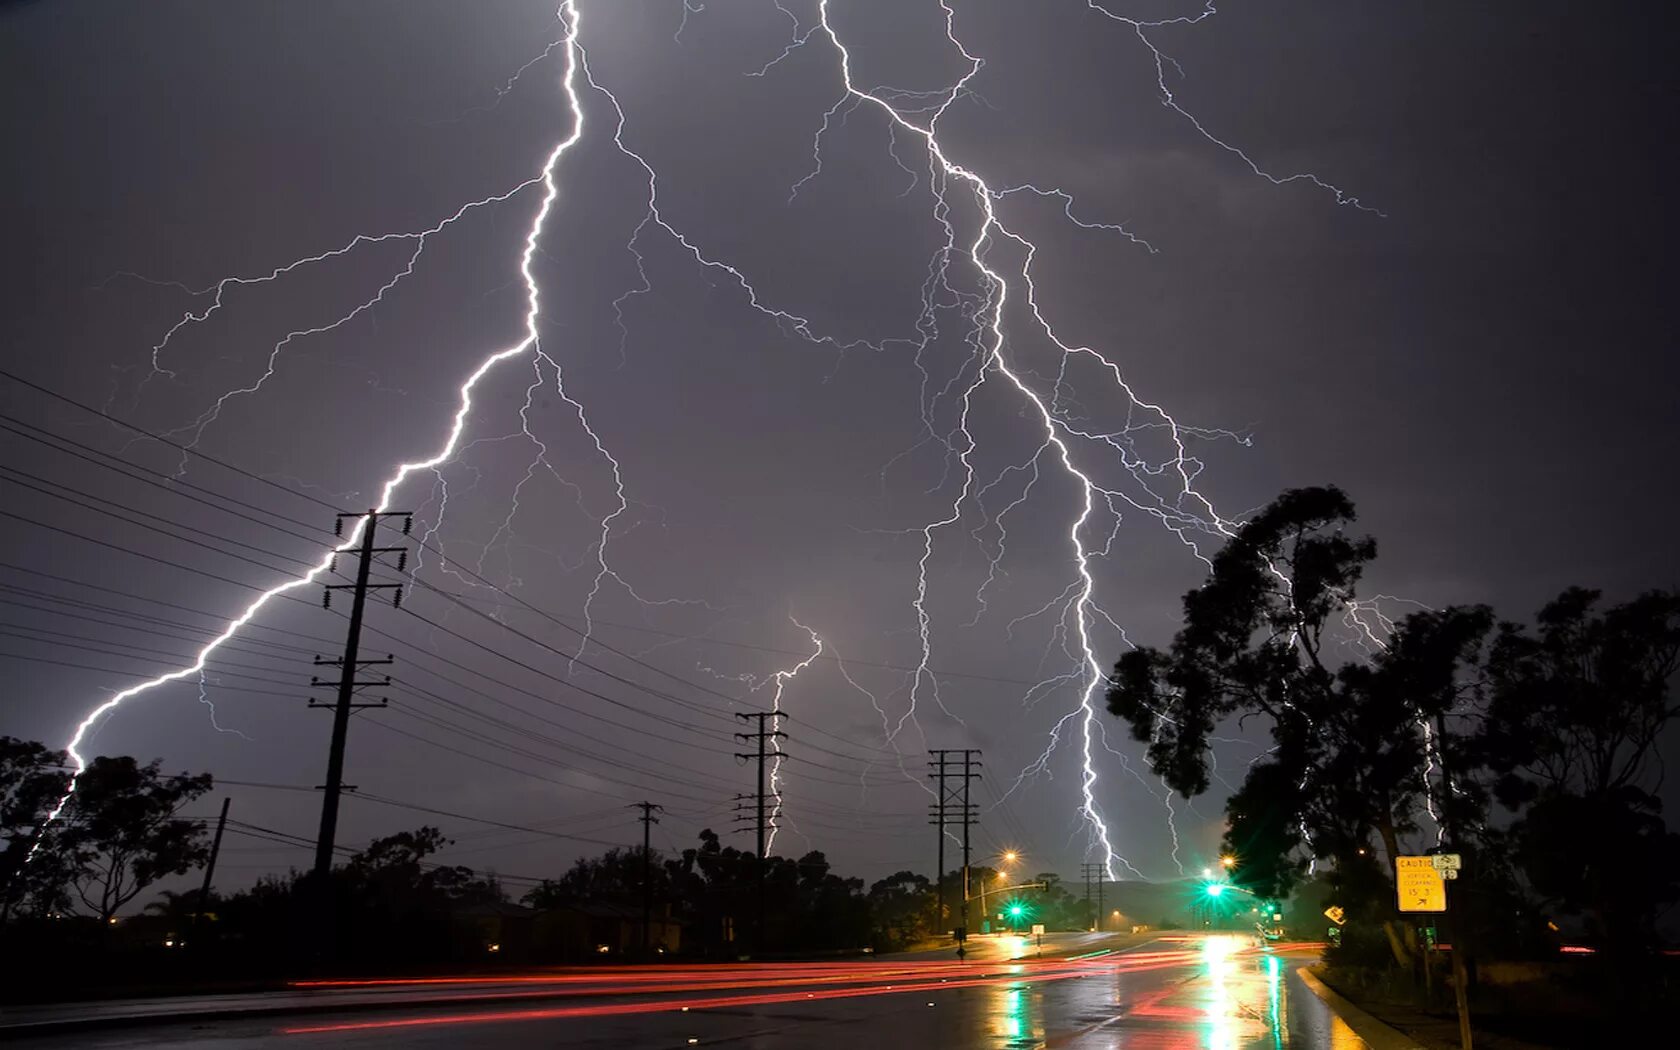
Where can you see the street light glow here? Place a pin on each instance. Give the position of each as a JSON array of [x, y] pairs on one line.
[[1228, 861]]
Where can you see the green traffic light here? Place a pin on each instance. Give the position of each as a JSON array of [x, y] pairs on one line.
[[1216, 889], [1016, 911]]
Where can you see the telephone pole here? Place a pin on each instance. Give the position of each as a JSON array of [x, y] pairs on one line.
[[1095, 873], [349, 666], [1455, 916], [764, 823], [210, 865], [648, 821], [951, 805]]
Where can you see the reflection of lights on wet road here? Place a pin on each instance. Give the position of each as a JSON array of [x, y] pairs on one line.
[[1224, 1016], [1217, 954], [1274, 999], [1012, 1018]]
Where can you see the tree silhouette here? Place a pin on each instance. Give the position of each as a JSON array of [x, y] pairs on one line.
[[1574, 716], [1350, 756], [120, 834], [32, 780]]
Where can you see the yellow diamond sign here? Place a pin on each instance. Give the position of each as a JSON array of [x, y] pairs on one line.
[[1420, 885]]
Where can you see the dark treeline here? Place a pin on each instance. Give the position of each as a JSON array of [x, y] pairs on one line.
[[67, 888], [1532, 752]]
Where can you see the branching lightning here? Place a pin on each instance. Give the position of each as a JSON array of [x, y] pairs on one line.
[[551, 192], [983, 273]]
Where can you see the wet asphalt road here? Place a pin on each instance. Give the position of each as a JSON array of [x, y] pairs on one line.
[[1214, 993]]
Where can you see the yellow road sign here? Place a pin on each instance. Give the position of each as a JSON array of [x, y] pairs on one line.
[[1335, 914], [1419, 884]]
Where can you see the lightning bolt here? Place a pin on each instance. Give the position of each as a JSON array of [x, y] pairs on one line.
[[529, 343], [780, 680], [1162, 488]]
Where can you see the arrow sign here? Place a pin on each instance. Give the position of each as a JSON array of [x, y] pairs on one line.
[[1419, 884]]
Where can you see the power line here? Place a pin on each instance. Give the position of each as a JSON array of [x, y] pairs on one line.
[[168, 483], [55, 395]]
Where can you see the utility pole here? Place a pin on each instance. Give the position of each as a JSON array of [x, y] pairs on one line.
[[648, 821], [968, 820], [1095, 873], [347, 683], [210, 865], [764, 823], [1460, 943], [951, 804], [937, 812]]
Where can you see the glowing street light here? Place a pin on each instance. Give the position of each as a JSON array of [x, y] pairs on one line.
[[1227, 862], [1010, 856]]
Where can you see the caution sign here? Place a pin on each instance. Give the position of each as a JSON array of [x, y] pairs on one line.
[[1419, 884]]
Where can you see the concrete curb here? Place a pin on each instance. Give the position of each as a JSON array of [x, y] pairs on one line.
[[1377, 1035]]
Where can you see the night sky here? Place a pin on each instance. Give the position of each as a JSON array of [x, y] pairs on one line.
[[1478, 354]]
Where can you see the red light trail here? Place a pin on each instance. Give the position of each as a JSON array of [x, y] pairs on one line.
[[803, 982]]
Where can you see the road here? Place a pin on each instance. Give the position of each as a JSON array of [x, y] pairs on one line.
[[1219, 993]]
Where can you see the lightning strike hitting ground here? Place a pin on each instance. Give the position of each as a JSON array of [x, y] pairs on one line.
[[969, 276], [780, 680], [551, 192]]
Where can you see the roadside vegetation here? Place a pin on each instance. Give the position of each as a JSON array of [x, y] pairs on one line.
[[1530, 751]]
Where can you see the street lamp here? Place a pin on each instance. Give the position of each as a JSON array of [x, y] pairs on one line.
[[1227, 862]]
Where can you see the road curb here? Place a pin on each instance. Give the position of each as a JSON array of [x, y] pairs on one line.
[[1376, 1034]]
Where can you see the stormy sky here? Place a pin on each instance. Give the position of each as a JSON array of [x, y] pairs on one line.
[[1477, 352]]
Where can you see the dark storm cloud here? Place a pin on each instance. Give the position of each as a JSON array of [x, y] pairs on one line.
[[1484, 369]]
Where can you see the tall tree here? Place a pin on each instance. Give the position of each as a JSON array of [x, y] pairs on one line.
[[1575, 712], [1350, 752], [33, 778], [899, 910], [120, 832]]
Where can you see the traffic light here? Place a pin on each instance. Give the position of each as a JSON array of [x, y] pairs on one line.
[[1017, 910], [1215, 889]]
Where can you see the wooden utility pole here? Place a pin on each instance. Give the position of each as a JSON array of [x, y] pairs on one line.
[[648, 821], [347, 683], [764, 822], [1095, 873], [951, 804], [210, 865], [1460, 943]]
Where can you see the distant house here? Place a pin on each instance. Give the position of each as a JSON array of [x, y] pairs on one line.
[[581, 930], [498, 928]]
